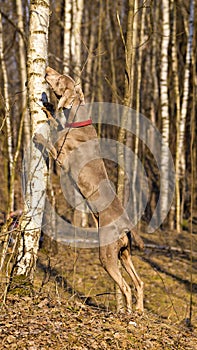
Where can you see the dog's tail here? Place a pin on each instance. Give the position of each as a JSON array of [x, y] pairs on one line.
[[137, 239]]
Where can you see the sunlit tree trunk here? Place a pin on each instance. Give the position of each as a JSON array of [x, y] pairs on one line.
[[35, 166], [89, 66], [76, 42], [23, 73], [178, 112], [99, 96], [184, 109], [164, 166], [193, 185], [127, 96], [10, 207], [154, 65], [8, 120], [76, 36], [127, 102], [135, 40], [136, 194], [12, 156], [72, 58], [67, 35], [112, 57]]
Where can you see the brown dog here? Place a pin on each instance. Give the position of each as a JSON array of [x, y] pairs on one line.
[[77, 152]]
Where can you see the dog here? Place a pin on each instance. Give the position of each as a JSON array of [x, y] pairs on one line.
[[78, 142]]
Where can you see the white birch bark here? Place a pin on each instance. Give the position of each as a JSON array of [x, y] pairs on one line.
[[178, 112], [186, 88], [36, 167], [184, 107], [67, 35], [164, 165], [154, 64], [76, 35]]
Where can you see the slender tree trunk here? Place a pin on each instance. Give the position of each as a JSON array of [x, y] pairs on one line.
[[135, 192], [121, 135], [4, 229], [164, 166], [76, 41], [72, 57], [112, 58], [184, 108], [99, 67], [8, 121], [76, 36], [154, 67], [135, 40], [36, 166], [127, 97], [178, 112], [23, 73], [193, 179], [88, 90], [67, 35], [12, 158]]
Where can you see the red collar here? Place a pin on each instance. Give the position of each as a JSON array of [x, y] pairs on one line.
[[78, 124]]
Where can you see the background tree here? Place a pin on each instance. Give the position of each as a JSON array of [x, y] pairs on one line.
[[164, 108]]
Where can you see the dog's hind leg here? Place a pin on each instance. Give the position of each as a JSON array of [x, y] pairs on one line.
[[127, 263], [109, 260]]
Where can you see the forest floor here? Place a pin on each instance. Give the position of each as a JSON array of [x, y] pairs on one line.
[[73, 307]]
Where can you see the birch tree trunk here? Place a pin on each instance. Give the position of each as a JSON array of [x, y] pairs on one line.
[[164, 166], [36, 172], [76, 36], [67, 35], [154, 65], [180, 161], [178, 113]]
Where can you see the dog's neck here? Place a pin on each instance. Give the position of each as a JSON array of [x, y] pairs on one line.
[[77, 113]]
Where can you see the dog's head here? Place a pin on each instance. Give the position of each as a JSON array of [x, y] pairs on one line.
[[65, 88]]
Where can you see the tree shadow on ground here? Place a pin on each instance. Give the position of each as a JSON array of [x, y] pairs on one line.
[[62, 281]]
